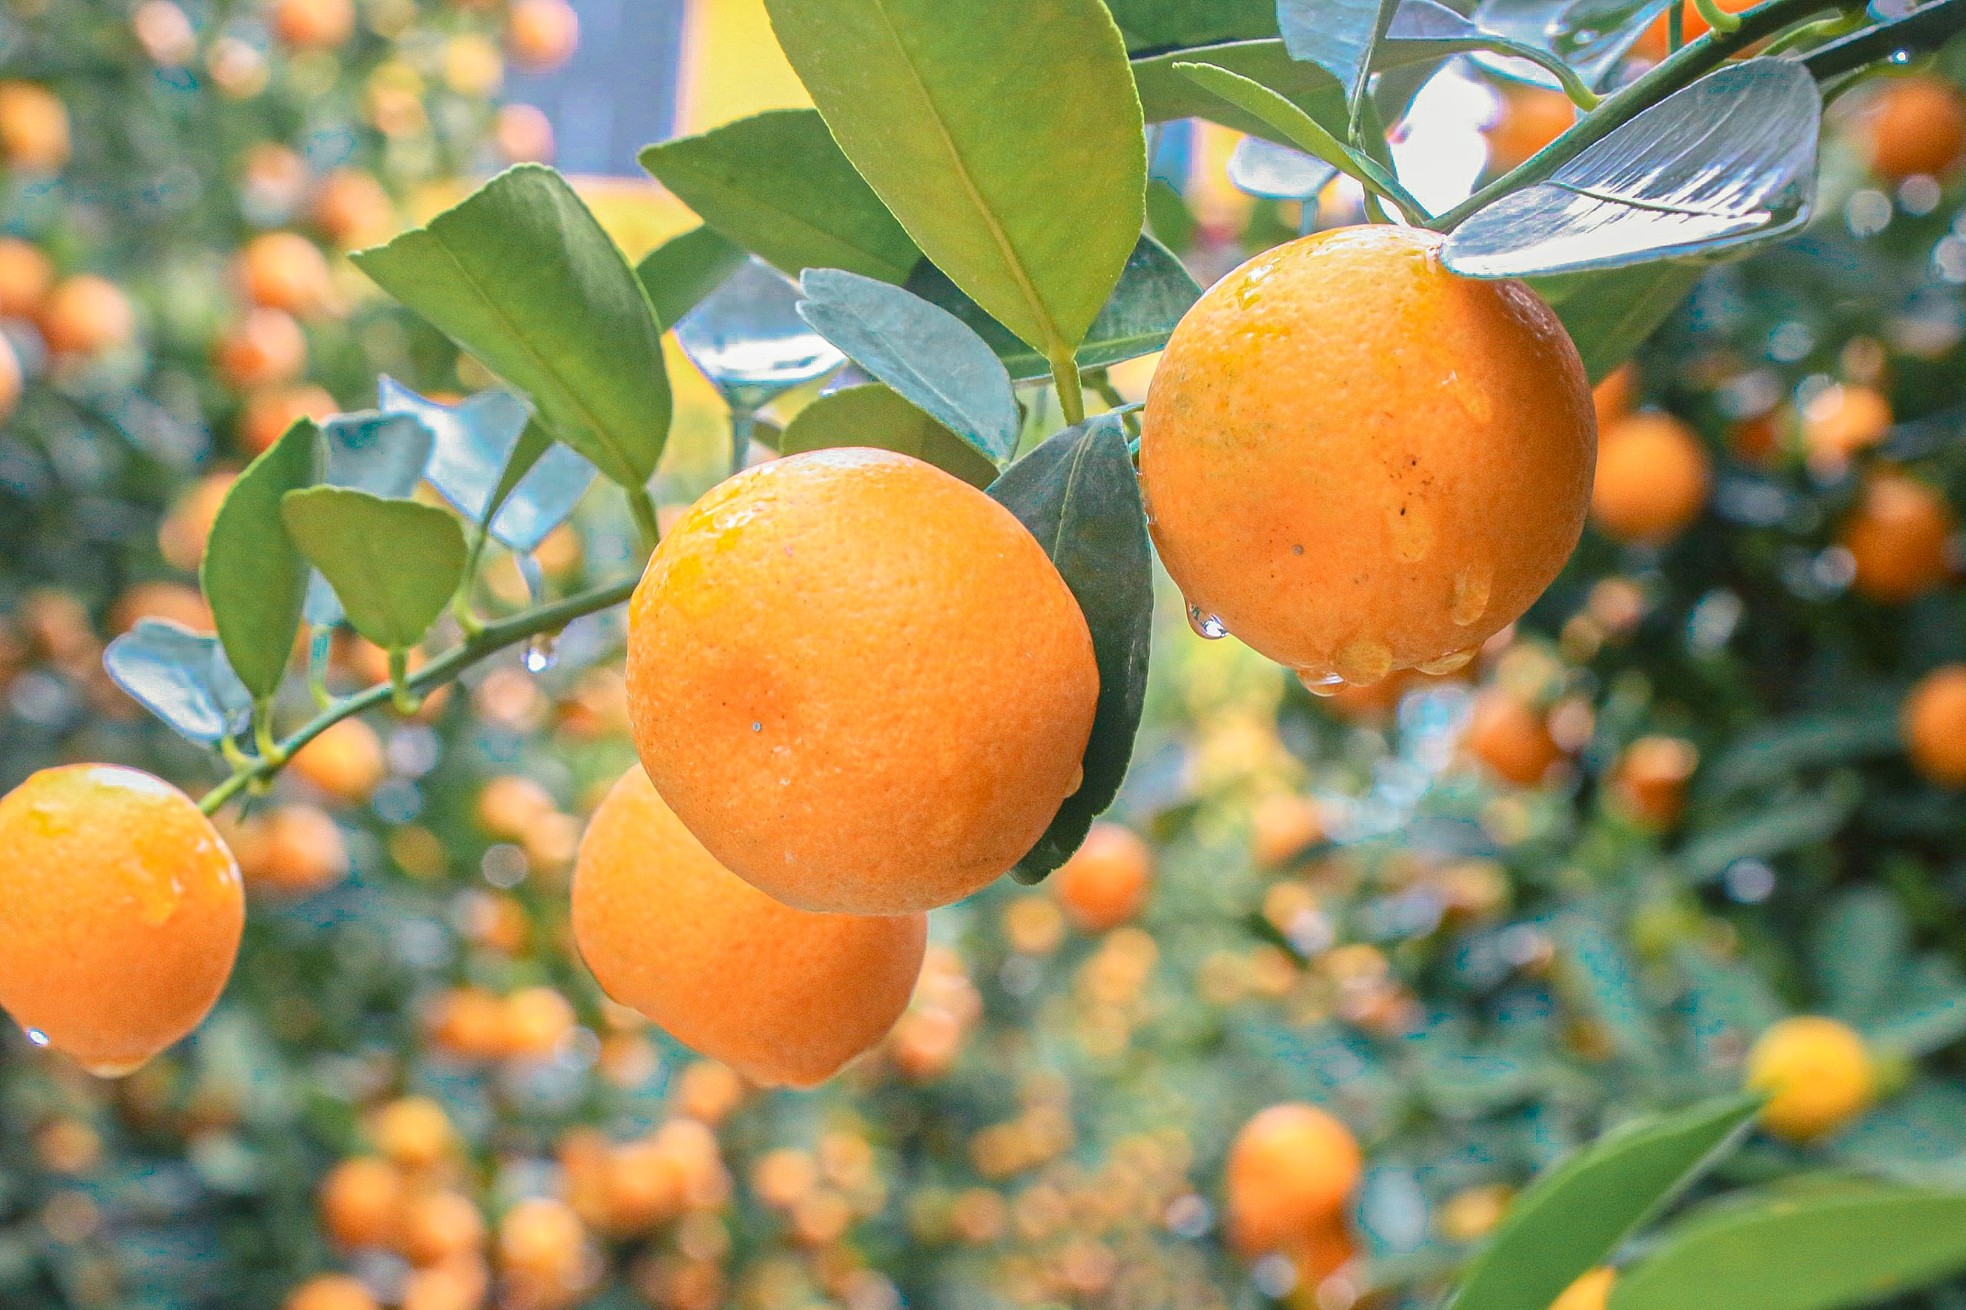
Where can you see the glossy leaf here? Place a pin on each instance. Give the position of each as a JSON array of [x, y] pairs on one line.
[[1338, 36], [777, 185], [924, 352], [1728, 160], [1842, 1246], [1574, 1216], [1168, 24], [253, 574], [1275, 172], [1166, 95], [481, 442], [182, 677], [393, 563], [1591, 36], [1004, 134], [874, 415], [748, 339], [1153, 294], [522, 276], [1079, 496], [684, 269], [1610, 313], [383, 454]]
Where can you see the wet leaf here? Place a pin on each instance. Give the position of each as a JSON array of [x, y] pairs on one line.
[[254, 575], [1610, 313], [522, 276], [777, 185], [1167, 24], [1167, 96], [1592, 36], [874, 415], [182, 677], [1004, 134], [1079, 496], [684, 269], [1274, 172], [393, 563], [1154, 292], [1575, 1215], [1339, 36], [748, 339], [924, 352], [383, 454], [1728, 160]]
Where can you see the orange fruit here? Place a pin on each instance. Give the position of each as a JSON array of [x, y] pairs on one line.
[[161, 600], [264, 348], [26, 277], [293, 850], [540, 1246], [859, 681], [1531, 118], [523, 134], [1818, 1074], [11, 379], [511, 804], [331, 1292], [1841, 421], [1107, 880], [268, 414], [165, 33], [1511, 738], [361, 1202], [1914, 125], [1592, 1290], [1613, 398], [1292, 1170], [469, 1022], [535, 1020], [121, 910], [1652, 480], [1650, 779], [181, 536], [346, 761], [352, 209], [312, 24], [541, 35], [1899, 536], [1282, 827], [460, 1283], [33, 127], [1656, 43], [414, 1132], [783, 995], [86, 315], [284, 270], [1934, 725], [440, 1225], [1357, 462]]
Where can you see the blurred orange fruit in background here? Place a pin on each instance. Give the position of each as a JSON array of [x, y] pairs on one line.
[[1291, 1173], [1107, 880], [1652, 480], [1934, 725]]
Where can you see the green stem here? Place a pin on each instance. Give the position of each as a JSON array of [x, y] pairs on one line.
[[406, 701], [444, 669], [643, 508], [1675, 27], [743, 427], [1717, 18], [1071, 394], [1692, 62]]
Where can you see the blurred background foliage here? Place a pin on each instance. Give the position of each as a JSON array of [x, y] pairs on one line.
[[1478, 918]]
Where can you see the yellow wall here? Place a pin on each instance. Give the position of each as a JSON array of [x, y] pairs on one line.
[[732, 66]]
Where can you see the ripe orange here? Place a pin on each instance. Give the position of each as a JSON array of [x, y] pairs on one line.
[[121, 910], [1650, 779], [181, 536], [859, 681], [439, 1225], [346, 761], [1592, 1290], [1291, 1171], [1934, 725], [461, 1283], [1107, 880], [362, 1202], [352, 209], [469, 1023], [33, 127], [541, 1244], [1840, 422], [1511, 738], [268, 414], [533, 1023], [1282, 827], [26, 277], [331, 1292], [1818, 1074], [1652, 479], [1613, 398], [1657, 41], [783, 995], [1900, 536], [312, 24], [292, 850], [86, 315], [1358, 462], [1914, 125], [284, 270], [541, 35], [1531, 118], [264, 348], [414, 1132], [523, 134], [11, 379]]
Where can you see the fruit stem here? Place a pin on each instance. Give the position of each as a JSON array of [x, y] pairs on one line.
[[1717, 18], [406, 701], [444, 669], [1675, 27], [1065, 377], [1676, 72]]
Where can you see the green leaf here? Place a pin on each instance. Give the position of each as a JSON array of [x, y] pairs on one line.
[[253, 574], [393, 563], [1600, 975], [874, 415], [1609, 314], [1785, 747], [1170, 220], [1860, 946], [1080, 498], [1004, 134], [1165, 24], [1808, 1251], [522, 276], [1339, 36], [777, 185], [1576, 1215], [1166, 95], [681, 271], [1767, 831], [1154, 292]]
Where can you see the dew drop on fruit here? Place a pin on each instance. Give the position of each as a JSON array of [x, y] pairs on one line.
[[1320, 682], [1078, 781], [113, 1068], [542, 652], [1452, 662], [1207, 626], [36, 1036], [1472, 587], [1364, 662]]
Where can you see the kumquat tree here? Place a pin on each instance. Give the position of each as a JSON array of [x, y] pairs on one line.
[[1114, 653]]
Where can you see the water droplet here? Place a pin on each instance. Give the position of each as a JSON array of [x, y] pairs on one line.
[[36, 1036], [1472, 588], [113, 1068], [1412, 531], [1364, 662], [1206, 625], [1452, 662], [757, 727], [542, 652], [1319, 682], [1078, 781]]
